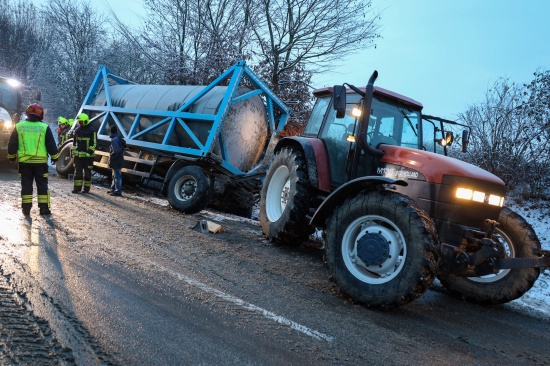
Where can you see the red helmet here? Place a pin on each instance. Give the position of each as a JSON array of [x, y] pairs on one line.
[[36, 110]]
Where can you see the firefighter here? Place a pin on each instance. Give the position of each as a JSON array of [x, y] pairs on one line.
[[85, 140], [31, 141], [62, 130]]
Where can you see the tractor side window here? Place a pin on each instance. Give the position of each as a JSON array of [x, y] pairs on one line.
[[430, 134], [335, 134], [409, 136], [317, 116]]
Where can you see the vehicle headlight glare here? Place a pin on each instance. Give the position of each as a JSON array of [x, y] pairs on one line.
[[495, 200], [464, 193], [478, 196]]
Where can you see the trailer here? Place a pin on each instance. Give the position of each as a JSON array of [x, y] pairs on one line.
[[199, 145]]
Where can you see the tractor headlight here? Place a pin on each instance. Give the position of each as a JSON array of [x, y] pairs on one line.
[[478, 196]]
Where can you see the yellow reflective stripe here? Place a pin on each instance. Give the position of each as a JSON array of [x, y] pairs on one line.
[[87, 183], [33, 159], [26, 198], [56, 156], [12, 156], [78, 183], [43, 198]]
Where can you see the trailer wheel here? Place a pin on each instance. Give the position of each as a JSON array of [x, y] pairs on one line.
[[189, 189], [285, 199], [381, 249], [64, 165], [520, 241]]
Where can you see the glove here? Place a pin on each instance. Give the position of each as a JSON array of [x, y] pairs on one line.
[[13, 160]]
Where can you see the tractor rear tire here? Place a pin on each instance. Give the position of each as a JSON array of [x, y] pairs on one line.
[[381, 249], [189, 189], [520, 241], [286, 198], [65, 164]]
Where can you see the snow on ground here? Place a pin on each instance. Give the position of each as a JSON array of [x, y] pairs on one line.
[[537, 300]]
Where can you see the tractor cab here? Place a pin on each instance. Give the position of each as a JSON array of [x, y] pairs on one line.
[[394, 120]]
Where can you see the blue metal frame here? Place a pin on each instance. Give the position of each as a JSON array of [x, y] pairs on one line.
[[235, 73]]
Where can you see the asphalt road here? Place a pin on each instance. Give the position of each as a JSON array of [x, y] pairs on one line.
[[127, 281]]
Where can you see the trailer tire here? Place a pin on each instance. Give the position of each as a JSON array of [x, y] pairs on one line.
[[65, 164], [285, 199], [189, 189], [381, 249], [520, 241]]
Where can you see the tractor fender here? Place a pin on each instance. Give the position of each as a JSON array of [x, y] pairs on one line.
[[349, 189], [316, 158]]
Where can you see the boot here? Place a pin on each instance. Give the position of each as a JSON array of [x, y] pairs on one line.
[[26, 211], [45, 211], [76, 190]]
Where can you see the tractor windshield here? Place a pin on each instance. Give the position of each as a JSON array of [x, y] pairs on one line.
[[389, 123]]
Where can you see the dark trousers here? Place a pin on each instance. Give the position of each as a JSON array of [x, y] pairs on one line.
[[30, 173], [83, 173]]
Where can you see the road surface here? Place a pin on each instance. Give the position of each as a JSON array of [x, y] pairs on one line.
[[127, 281]]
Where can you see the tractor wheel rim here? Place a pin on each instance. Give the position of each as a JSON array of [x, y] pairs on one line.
[[510, 253], [278, 193], [390, 255]]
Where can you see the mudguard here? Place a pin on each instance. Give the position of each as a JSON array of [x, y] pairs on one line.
[[316, 158], [349, 189]]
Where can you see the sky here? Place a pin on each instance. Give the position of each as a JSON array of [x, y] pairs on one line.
[[442, 53]]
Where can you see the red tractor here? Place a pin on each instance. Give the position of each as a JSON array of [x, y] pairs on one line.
[[396, 212]]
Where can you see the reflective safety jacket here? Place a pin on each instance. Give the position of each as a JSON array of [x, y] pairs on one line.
[[62, 134], [85, 142], [32, 142]]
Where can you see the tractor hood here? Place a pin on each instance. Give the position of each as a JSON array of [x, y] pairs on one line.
[[434, 166]]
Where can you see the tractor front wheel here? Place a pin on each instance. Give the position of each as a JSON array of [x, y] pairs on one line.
[[520, 241], [381, 249]]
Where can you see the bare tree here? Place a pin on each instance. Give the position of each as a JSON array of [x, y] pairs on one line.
[[78, 37], [191, 41], [21, 36], [504, 140], [316, 33]]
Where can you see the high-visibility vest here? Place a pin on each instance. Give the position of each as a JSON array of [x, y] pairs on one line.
[[32, 142]]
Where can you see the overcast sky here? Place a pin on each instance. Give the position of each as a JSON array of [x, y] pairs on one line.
[[442, 53]]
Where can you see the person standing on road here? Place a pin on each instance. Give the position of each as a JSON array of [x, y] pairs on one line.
[[62, 130], [85, 141], [31, 141], [116, 161]]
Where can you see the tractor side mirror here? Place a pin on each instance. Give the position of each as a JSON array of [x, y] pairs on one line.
[[465, 140], [339, 97]]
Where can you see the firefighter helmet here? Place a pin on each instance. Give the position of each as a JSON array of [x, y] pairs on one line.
[[61, 121], [36, 110], [83, 117], [71, 121]]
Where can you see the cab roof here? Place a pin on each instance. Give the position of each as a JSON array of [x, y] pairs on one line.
[[377, 91]]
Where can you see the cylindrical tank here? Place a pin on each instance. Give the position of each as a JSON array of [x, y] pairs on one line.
[[244, 130]]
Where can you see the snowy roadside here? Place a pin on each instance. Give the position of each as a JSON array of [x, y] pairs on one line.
[[537, 300]]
